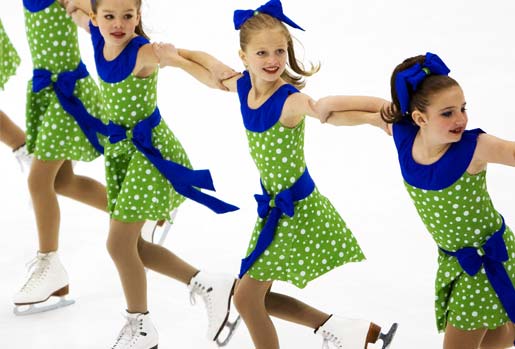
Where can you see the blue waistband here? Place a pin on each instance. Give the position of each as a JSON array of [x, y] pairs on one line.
[[64, 86], [491, 256], [183, 179], [283, 203]]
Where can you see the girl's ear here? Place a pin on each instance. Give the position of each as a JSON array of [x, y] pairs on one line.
[[419, 118], [243, 58]]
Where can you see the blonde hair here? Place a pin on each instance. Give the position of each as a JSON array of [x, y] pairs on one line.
[[139, 29], [295, 72]]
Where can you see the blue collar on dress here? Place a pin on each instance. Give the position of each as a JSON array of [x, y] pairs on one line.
[[122, 66], [37, 5], [444, 172], [268, 114]]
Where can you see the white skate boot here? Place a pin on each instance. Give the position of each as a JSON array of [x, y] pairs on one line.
[[46, 277], [157, 231], [137, 333], [216, 290], [350, 333], [24, 158]]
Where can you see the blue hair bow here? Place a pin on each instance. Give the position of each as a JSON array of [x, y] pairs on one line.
[[272, 8], [414, 75]]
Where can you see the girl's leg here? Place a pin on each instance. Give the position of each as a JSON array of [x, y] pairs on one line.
[[80, 188], [459, 339], [10, 133], [501, 337], [122, 245], [44, 199], [249, 299], [163, 261], [290, 309]]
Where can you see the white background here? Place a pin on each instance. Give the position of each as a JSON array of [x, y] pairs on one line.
[[358, 43]]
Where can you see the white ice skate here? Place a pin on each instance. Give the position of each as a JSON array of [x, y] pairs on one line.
[[24, 158], [216, 290], [137, 333], [46, 278], [157, 231], [350, 333]]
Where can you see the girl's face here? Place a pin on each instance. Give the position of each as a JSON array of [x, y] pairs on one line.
[[117, 21], [445, 119], [266, 54]]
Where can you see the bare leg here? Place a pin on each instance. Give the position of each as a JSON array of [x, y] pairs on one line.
[[80, 188], [501, 337], [249, 299], [10, 133], [122, 245], [460, 339], [290, 309], [161, 260], [44, 199]]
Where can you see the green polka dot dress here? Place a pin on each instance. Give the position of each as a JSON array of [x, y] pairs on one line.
[[9, 59], [136, 190], [316, 239], [460, 214], [52, 133]]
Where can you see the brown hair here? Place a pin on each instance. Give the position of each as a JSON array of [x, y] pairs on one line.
[[419, 99], [139, 29], [263, 21]]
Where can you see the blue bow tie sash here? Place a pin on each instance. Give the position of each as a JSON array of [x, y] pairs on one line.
[[490, 256], [64, 86], [410, 78], [283, 203], [184, 180], [272, 8]]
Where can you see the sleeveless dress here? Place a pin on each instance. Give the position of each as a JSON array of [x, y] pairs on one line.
[[52, 133], [457, 211], [136, 190], [316, 239], [9, 59]]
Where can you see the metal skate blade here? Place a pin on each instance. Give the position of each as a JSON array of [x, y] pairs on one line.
[[231, 327], [50, 304], [388, 338]]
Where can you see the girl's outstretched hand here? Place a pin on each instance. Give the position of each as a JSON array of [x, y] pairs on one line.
[[167, 54], [221, 72]]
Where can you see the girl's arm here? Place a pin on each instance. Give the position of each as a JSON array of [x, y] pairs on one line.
[[218, 70], [79, 11], [494, 150], [327, 105], [168, 55]]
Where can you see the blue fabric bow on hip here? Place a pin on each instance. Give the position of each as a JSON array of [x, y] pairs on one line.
[[284, 203], [64, 86], [490, 256], [407, 81], [272, 8], [183, 179]]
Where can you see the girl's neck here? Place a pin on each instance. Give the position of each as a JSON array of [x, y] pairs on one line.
[[427, 152], [261, 90], [111, 52]]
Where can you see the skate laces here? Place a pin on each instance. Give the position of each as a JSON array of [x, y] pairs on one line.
[[329, 338], [128, 332], [199, 289], [36, 270], [24, 158]]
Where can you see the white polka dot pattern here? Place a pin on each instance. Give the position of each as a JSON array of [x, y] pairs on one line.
[[9, 59]]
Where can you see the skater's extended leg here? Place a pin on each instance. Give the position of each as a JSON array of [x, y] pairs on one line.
[[122, 245], [249, 299], [44, 199], [10, 134], [80, 188], [459, 339], [163, 261]]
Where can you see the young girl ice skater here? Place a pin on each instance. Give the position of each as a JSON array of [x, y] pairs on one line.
[[10, 133], [148, 173], [444, 170], [62, 100], [299, 235]]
